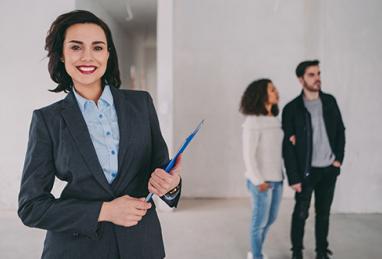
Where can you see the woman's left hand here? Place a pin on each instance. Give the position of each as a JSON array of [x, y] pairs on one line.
[[161, 182]]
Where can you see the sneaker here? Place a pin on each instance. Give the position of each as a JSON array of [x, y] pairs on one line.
[[324, 254], [297, 255], [250, 256]]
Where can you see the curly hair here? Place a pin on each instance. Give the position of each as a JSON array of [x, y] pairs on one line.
[[255, 97], [54, 45]]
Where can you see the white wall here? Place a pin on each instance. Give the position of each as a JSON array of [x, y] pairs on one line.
[[165, 73], [350, 48], [220, 48], [143, 60], [24, 82]]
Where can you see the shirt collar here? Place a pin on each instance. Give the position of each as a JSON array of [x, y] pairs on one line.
[[106, 97]]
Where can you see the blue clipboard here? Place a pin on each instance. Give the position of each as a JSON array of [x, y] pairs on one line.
[[180, 151]]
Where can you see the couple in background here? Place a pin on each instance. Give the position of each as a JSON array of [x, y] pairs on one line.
[[310, 139]]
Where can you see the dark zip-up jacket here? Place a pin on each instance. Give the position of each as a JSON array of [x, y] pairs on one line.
[[296, 121]]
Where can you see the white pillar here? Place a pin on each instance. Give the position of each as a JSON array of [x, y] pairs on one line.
[[165, 87], [165, 70]]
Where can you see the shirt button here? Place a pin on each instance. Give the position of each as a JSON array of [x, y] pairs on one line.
[[113, 152], [108, 133], [114, 175], [100, 116]]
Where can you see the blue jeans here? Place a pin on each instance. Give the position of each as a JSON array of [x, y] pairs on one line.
[[265, 207]]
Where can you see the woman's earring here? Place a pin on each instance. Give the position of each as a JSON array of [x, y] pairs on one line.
[[62, 60]]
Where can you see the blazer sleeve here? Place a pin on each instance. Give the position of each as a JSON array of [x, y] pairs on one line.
[[288, 149], [160, 156], [340, 136], [250, 143], [37, 206]]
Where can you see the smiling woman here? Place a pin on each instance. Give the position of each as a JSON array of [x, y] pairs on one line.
[[80, 35], [85, 56], [105, 143]]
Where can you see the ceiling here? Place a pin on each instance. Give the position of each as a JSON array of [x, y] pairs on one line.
[[132, 14]]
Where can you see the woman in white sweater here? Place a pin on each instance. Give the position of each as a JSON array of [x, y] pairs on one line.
[[262, 140]]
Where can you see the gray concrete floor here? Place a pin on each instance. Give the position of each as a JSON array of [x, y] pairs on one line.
[[219, 228]]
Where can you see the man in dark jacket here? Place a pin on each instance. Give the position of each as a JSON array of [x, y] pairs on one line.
[[313, 151]]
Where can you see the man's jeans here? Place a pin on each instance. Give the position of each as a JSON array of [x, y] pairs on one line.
[[322, 182], [265, 206]]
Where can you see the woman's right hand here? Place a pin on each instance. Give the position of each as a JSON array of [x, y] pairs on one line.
[[263, 187], [124, 211]]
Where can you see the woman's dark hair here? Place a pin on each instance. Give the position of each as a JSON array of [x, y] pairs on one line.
[[54, 45], [255, 97]]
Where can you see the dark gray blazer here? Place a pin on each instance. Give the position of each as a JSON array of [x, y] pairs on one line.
[[60, 146]]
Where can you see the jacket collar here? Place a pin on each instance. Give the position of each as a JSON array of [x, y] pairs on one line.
[[300, 98], [77, 126], [126, 114], [324, 100]]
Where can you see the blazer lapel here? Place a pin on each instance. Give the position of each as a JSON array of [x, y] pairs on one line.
[[78, 128], [125, 113]]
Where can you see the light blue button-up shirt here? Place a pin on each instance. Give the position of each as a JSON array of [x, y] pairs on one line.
[[102, 123]]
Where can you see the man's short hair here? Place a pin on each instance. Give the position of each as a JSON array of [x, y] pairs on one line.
[[301, 68]]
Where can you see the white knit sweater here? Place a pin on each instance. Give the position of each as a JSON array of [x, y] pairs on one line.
[[262, 149]]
